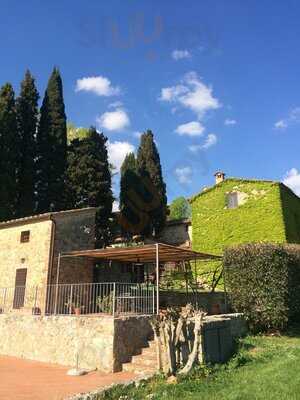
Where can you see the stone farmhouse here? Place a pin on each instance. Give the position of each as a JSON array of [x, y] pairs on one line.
[[30, 246], [61, 310], [237, 210]]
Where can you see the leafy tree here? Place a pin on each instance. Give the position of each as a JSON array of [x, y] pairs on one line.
[[89, 178], [180, 208], [9, 152], [27, 116], [76, 133], [150, 171], [52, 147]]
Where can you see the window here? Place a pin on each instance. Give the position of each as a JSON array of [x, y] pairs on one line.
[[232, 200], [25, 236]]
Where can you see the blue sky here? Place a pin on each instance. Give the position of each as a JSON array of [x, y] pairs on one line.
[[216, 81]]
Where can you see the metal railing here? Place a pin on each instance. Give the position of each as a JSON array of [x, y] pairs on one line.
[[88, 298]]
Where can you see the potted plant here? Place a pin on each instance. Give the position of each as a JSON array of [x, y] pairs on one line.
[[74, 306], [105, 303]]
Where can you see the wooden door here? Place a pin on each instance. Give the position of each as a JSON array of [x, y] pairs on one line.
[[20, 287]]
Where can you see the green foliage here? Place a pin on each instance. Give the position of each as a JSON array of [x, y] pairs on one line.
[[9, 152], [27, 117], [126, 184], [180, 208], [76, 133], [259, 219], [264, 281], [89, 178], [148, 165], [52, 147]]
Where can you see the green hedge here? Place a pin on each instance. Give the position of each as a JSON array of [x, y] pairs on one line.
[[263, 282]]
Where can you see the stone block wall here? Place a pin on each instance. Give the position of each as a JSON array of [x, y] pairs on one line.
[[100, 342], [177, 233], [59, 339], [206, 300], [73, 231], [33, 255]]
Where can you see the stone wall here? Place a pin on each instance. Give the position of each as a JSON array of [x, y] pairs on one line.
[[33, 255], [59, 339], [177, 233], [101, 342], [206, 300], [73, 231], [219, 334]]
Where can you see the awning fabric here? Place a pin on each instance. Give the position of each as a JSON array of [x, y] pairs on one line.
[[144, 254]]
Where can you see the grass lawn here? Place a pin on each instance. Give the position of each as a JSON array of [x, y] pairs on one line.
[[265, 368]]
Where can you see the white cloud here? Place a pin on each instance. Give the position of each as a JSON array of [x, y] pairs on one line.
[[292, 180], [292, 118], [229, 121], [99, 85], [117, 151], [191, 93], [184, 175], [193, 128], [281, 124], [180, 54], [137, 134], [116, 206], [114, 120], [116, 104], [210, 141]]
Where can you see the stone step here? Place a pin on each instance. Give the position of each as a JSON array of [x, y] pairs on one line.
[[139, 368], [144, 361], [148, 360]]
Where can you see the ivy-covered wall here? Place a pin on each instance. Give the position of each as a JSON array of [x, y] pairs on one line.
[[259, 217], [291, 212]]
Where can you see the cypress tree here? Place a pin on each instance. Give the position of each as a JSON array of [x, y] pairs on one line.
[[129, 164], [27, 116], [148, 164], [9, 152], [129, 217], [52, 148], [89, 179]]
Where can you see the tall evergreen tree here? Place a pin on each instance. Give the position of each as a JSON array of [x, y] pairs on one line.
[[9, 152], [129, 217], [128, 165], [27, 117], [52, 148], [89, 178], [148, 164]]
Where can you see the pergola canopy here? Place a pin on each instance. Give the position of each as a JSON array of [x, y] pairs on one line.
[[144, 254]]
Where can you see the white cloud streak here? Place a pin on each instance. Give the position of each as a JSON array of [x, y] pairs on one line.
[[229, 122], [191, 93], [180, 54], [114, 120], [193, 128], [210, 141], [183, 175], [292, 119], [292, 180], [99, 85], [117, 151]]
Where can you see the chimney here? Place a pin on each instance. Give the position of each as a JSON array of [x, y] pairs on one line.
[[220, 177]]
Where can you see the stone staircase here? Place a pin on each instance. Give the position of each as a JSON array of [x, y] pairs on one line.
[[145, 362]]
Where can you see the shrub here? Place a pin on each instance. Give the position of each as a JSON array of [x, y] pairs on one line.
[[263, 282]]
